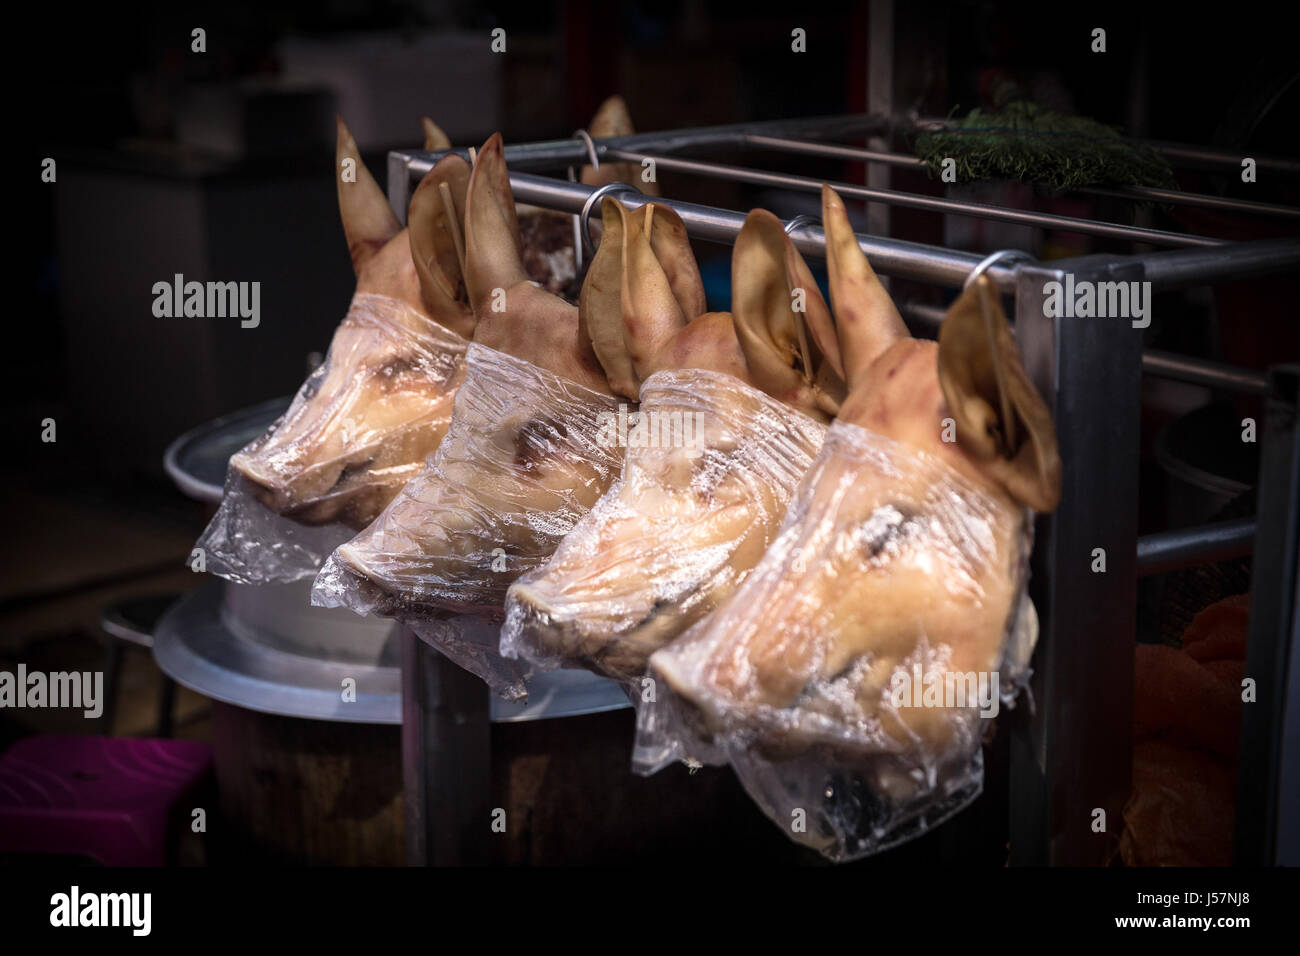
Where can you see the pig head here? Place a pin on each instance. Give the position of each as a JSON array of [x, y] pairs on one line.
[[363, 424], [703, 491], [521, 462], [903, 551]]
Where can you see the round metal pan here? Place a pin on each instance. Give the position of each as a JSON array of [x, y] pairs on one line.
[[267, 649]]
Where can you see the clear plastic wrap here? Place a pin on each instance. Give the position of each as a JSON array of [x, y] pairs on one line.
[[526, 456], [710, 468], [848, 677], [359, 428]]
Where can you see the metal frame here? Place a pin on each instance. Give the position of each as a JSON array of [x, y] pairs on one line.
[[1071, 754]]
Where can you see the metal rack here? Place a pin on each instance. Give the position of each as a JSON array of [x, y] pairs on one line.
[[1073, 752]]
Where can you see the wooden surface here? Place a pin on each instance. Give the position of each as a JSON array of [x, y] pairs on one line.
[[306, 791]]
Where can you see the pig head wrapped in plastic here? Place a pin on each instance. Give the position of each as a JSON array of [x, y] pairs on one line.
[[849, 675], [712, 455], [523, 459], [363, 423]]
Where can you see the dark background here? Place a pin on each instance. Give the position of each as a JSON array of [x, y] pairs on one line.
[[220, 165], [125, 108]]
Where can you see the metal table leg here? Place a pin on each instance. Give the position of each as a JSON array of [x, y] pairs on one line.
[[1268, 772], [1072, 756], [446, 738]]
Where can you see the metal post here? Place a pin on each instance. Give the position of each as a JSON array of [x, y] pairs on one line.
[[880, 102], [1268, 769], [1072, 755], [446, 739]]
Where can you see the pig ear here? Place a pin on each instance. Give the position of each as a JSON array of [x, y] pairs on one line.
[[493, 248], [672, 248], [368, 220], [600, 305], [1002, 421], [434, 230], [781, 345], [434, 137], [613, 119], [817, 314], [652, 313], [865, 317]]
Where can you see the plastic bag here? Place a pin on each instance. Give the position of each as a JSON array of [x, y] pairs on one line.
[[359, 428], [525, 458], [848, 678], [710, 468]]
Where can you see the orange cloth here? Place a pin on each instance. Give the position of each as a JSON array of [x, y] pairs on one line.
[[1186, 731]]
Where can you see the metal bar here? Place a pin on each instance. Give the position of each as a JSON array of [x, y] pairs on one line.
[[1205, 157], [558, 153], [831, 150], [1171, 269], [881, 40], [1203, 372], [1175, 198], [1072, 755], [1171, 197], [446, 740], [893, 197], [909, 260], [1192, 155], [923, 317], [1187, 547], [415, 804], [927, 318], [400, 183], [1268, 768], [1180, 268]]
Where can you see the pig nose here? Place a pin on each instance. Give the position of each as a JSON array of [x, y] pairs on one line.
[[262, 489]]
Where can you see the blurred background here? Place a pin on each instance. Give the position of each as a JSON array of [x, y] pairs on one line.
[[220, 165]]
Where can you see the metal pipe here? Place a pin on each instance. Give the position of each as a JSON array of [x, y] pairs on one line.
[[831, 150], [557, 153], [908, 260], [1175, 198], [1191, 155], [1203, 156], [1171, 197], [1181, 268], [916, 201], [1170, 269], [1266, 832], [1187, 547], [1203, 372], [927, 319]]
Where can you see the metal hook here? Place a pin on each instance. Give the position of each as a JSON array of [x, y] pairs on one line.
[[583, 135], [596, 196], [798, 222], [989, 260], [581, 242]]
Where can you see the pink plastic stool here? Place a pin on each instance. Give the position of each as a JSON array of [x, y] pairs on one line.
[[108, 798]]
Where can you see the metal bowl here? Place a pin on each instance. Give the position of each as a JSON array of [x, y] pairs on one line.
[[268, 649]]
